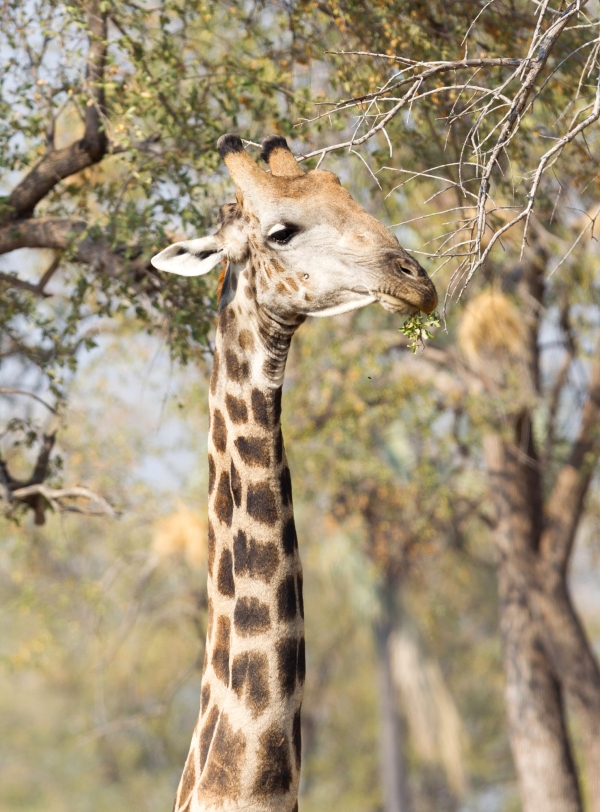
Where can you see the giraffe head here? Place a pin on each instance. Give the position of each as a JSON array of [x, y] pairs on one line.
[[313, 249]]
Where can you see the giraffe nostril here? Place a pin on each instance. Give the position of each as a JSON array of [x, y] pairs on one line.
[[409, 271]]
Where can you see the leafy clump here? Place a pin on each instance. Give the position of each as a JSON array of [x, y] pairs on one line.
[[417, 329]]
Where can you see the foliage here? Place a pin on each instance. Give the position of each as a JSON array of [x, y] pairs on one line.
[[369, 442], [416, 329], [109, 116], [102, 628]]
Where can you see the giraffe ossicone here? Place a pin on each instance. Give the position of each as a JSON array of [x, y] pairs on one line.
[[296, 245]]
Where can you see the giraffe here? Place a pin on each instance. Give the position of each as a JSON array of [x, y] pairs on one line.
[[296, 244]]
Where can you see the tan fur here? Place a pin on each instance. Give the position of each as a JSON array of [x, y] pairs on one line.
[[282, 162]]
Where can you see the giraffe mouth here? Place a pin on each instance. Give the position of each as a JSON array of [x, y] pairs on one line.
[[393, 304]]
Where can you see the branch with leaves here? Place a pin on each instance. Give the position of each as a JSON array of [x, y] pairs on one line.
[[109, 117]]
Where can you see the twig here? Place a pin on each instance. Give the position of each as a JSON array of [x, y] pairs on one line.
[[54, 495], [5, 391]]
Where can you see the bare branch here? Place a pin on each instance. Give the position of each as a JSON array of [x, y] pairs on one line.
[[39, 288], [525, 214], [14, 282], [496, 114], [430, 69], [355, 142], [56, 497], [5, 391]]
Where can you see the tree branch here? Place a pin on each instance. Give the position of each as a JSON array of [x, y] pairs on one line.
[[495, 123], [41, 466], [564, 506], [56, 495], [36, 496], [39, 287], [15, 282], [31, 498], [59, 164], [5, 391], [40, 232], [429, 69], [51, 232], [561, 378]]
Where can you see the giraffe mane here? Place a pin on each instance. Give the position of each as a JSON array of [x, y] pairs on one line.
[[220, 284]]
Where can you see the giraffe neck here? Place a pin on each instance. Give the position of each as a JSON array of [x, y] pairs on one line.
[[245, 752]]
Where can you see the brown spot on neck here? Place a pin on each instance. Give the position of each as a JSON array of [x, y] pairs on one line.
[[220, 656], [250, 676], [261, 503], [206, 735], [266, 407], [287, 665], [223, 503], [219, 431], [225, 583], [251, 617], [236, 485], [214, 375], [189, 779], [223, 774], [253, 451], [253, 559], [246, 340], [212, 472], [236, 408], [274, 767], [204, 697], [238, 368], [286, 599]]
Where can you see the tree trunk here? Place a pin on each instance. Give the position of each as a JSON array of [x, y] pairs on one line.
[[534, 696], [391, 753], [574, 663], [534, 700]]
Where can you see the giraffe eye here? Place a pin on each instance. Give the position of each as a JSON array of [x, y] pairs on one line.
[[282, 233]]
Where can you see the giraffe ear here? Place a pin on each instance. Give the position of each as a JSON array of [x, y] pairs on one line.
[[191, 257]]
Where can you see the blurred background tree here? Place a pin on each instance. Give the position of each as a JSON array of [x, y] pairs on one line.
[[480, 131], [418, 479]]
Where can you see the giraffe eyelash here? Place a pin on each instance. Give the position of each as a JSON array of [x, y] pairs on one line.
[[282, 233]]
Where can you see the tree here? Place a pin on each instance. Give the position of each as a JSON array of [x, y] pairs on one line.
[[539, 477], [103, 620], [477, 126], [478, 147], [376, 456], [110, 114]]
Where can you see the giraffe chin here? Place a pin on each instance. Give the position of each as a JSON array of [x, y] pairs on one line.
[[394, 305]]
